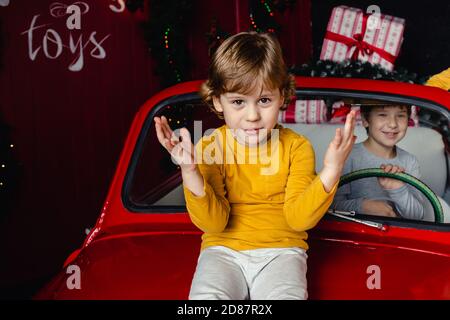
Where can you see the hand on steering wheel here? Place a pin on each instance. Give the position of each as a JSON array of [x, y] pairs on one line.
[[413, 181]]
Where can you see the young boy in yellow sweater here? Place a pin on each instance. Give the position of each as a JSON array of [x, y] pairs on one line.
[[251, 185]]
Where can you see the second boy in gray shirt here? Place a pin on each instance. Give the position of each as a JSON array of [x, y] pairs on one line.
[[406, 200]]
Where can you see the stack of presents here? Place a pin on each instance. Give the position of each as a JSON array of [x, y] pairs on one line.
[[351, 35]]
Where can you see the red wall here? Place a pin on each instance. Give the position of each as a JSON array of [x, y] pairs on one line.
[[68, 127]]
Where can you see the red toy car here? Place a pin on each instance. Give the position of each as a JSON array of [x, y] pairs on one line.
[[144, 245]]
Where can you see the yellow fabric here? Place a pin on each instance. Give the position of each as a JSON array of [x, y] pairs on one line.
[[440, 80], [244, 209]]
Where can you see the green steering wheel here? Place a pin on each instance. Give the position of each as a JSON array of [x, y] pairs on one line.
[[407, 178]]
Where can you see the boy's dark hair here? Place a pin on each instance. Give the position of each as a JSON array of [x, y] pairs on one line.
[[240, 60]]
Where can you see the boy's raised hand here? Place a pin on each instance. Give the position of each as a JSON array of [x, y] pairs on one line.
[[341, 146], [337, 152], [180, 148]]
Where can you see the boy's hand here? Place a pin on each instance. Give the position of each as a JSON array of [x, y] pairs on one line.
[[377, 208], [388, 183], [180, 148], [337, 152]]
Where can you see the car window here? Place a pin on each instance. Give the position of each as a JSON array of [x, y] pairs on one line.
[[425, 139], [154, 183], [154, 175]]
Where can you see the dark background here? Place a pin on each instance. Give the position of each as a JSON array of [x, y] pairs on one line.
[[68, 128], [426, 46]]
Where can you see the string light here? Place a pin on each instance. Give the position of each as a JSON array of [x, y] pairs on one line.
[[252, 21], [166, 37], [9, 170], [267, 8], [259, 9], [168, 56]]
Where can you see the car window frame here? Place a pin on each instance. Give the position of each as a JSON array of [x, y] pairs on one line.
[[300, 93], [137, 151]]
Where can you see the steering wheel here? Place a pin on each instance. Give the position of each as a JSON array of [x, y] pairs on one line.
[[407, 178]]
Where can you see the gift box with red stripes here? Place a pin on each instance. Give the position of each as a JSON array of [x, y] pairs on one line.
[[353, 34], [304, 111], [315, 112]]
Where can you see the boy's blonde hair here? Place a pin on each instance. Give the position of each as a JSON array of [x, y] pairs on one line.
[[243, 58]]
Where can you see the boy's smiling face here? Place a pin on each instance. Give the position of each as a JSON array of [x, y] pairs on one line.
[[387, 125], [252, 115]]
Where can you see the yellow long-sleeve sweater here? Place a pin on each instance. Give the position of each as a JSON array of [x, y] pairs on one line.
[[255, 199]]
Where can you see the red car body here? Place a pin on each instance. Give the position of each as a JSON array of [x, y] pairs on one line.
[[129, 255]]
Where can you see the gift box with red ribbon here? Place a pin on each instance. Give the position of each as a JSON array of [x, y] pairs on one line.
[[304, 111], [315, 112], [341, 109], [353, 34]]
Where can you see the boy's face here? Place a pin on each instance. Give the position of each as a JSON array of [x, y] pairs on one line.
[[250, 116], [387, 125]]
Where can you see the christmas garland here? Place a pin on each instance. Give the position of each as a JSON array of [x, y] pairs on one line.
[[262, 19], [355, 69], [166, 35], [262, 14], [166, 32], [215, 36]]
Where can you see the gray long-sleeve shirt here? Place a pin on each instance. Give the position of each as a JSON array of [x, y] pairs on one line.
[[407, 200]]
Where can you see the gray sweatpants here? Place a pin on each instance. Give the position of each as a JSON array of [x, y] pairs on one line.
[[259, 274]]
